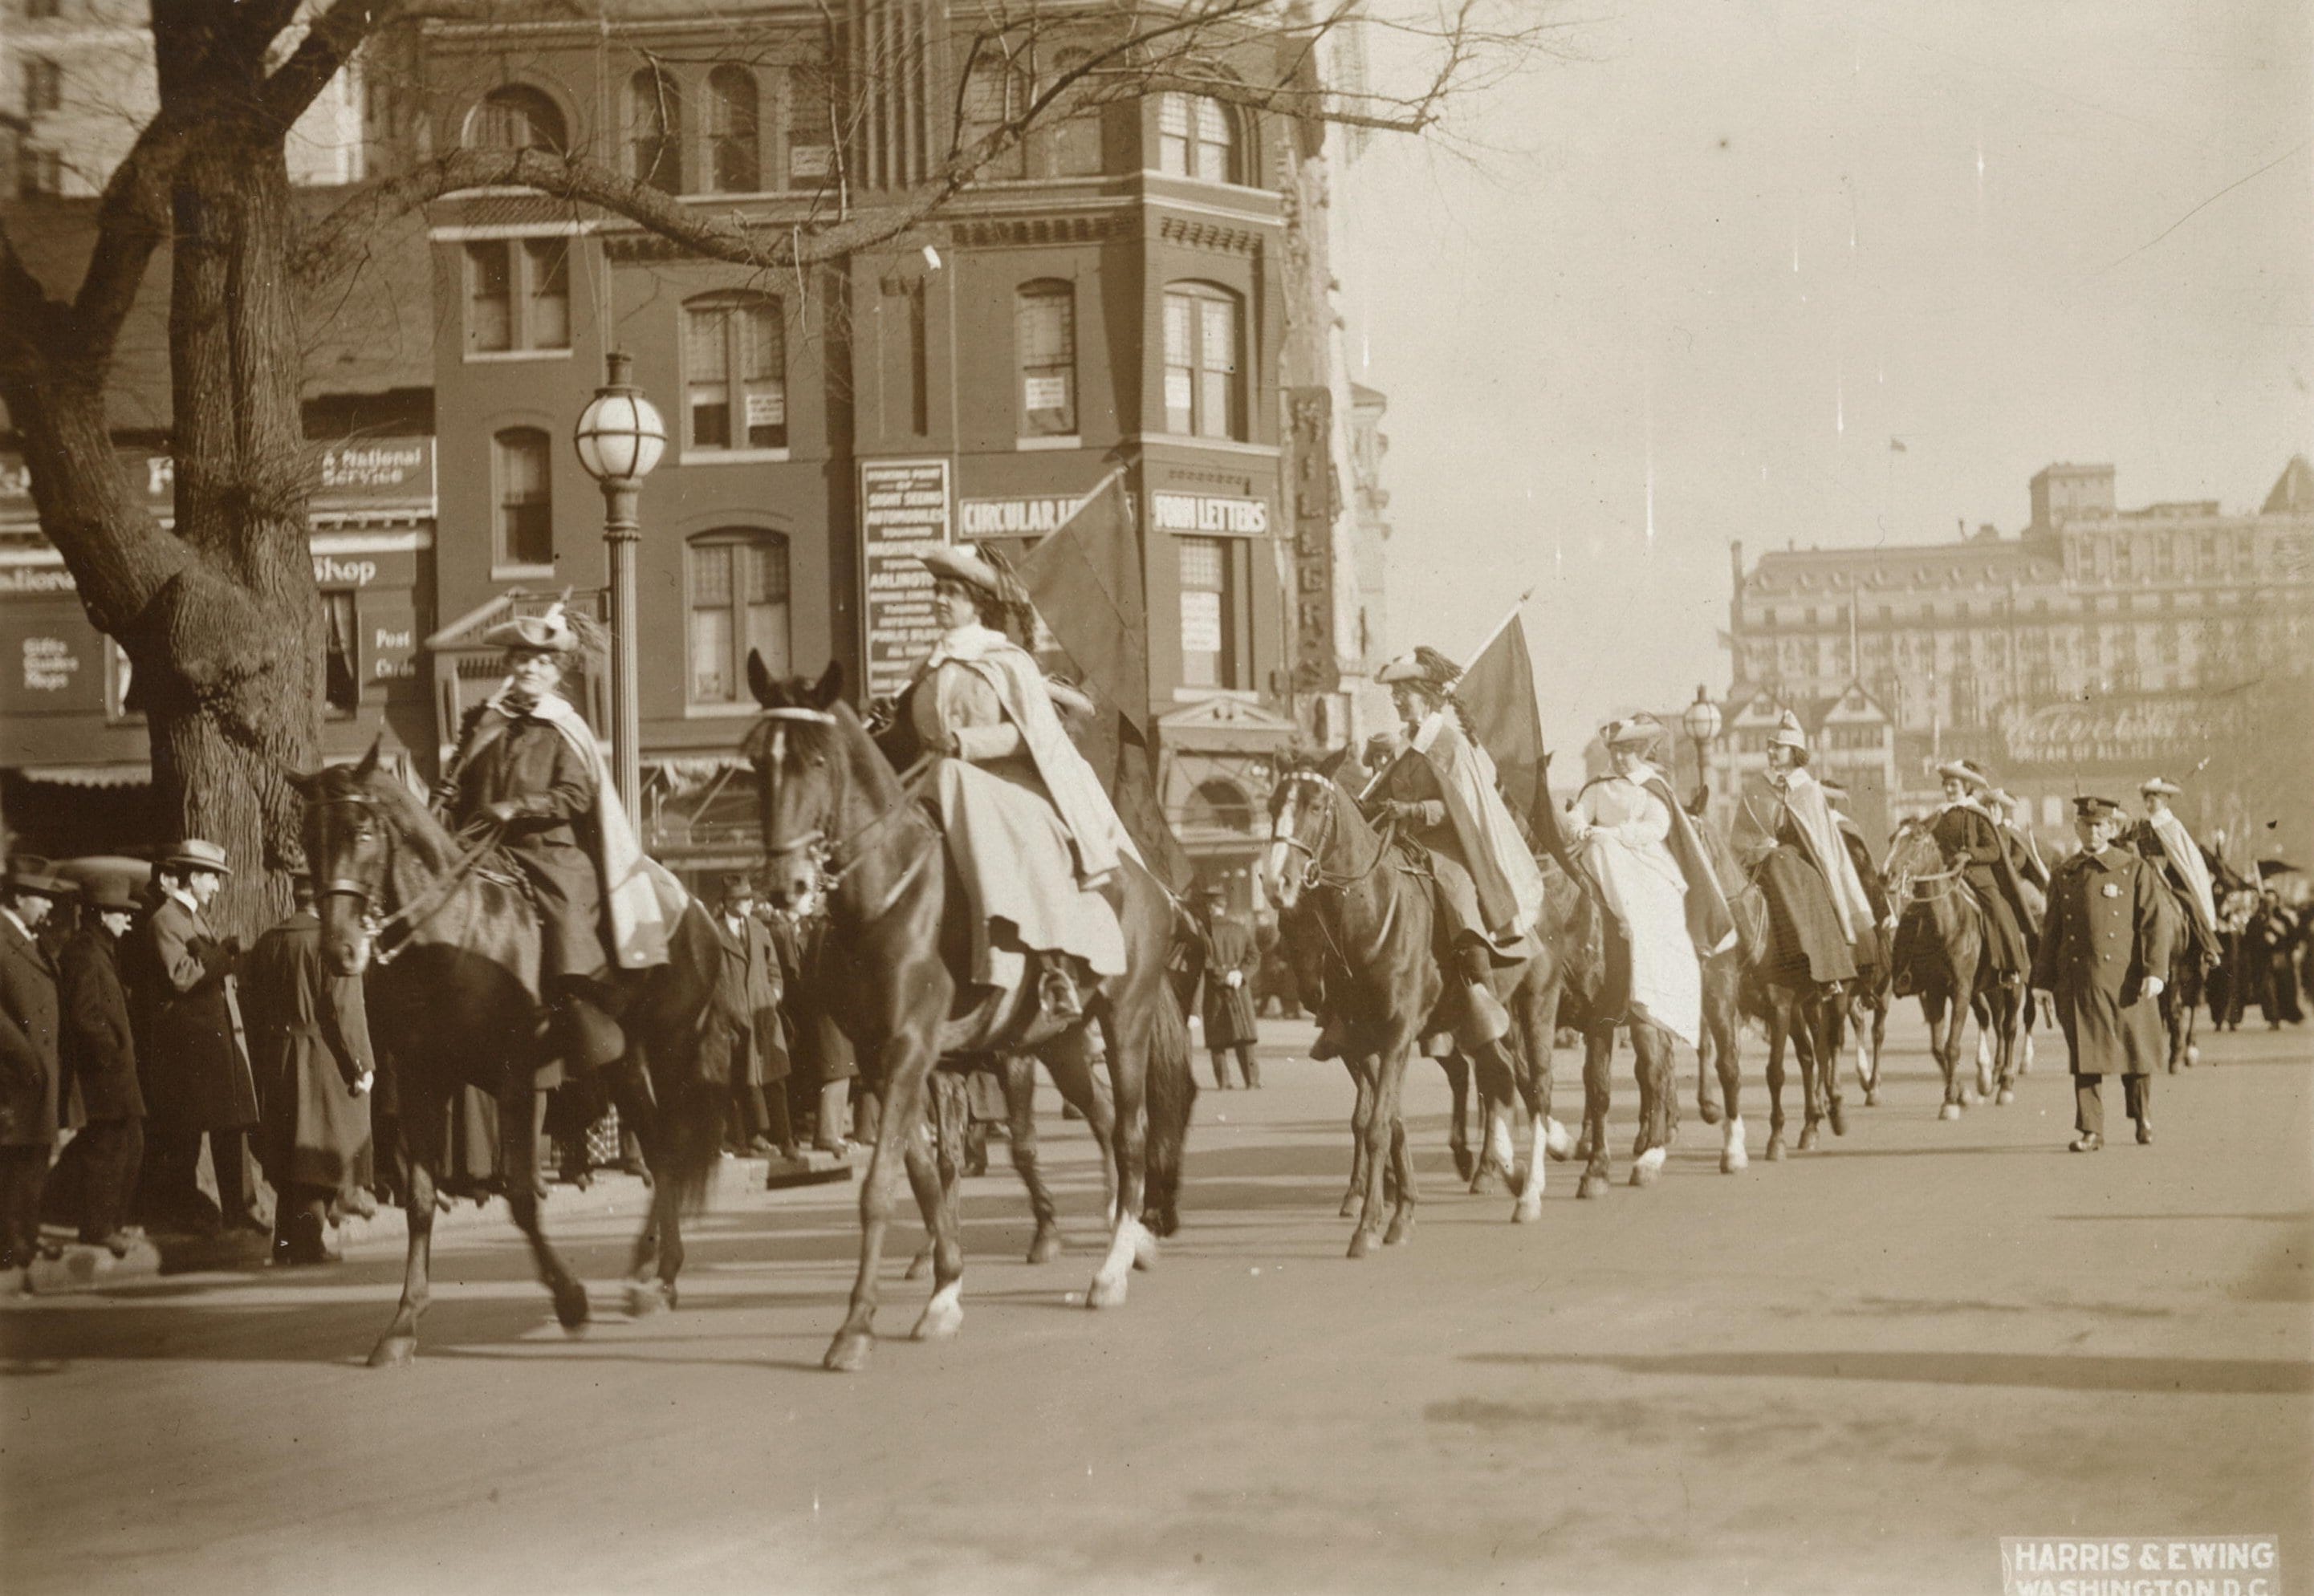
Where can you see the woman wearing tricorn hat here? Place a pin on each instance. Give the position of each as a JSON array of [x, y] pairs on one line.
[[1818, 913], [527, 760], [1970, 839], [1442, 789], [1032, 833]]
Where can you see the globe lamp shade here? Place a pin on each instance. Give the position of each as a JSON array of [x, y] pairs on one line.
[[1701, 719], [620, 436]]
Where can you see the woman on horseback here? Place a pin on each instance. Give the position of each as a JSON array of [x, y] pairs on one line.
[[1033, 834], [1970, 838], [1665, 903], [1441, 788], [528, 761], [1821, 918]]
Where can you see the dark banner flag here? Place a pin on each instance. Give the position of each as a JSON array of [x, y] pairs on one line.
[[1497, 690], [1085, 581]]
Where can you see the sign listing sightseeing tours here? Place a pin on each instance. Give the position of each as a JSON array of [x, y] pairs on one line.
[[903, 509]]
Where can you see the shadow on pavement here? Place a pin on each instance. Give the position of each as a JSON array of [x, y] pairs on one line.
[[2252, 1377]]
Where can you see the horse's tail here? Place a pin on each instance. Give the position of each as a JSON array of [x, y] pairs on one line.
[[691, 1068], [1172, 1091]]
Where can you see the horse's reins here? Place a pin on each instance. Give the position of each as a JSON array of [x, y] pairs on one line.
[[1314, 874], [426, 905]]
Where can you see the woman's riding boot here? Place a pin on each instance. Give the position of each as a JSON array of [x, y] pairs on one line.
[[1484, 1018]]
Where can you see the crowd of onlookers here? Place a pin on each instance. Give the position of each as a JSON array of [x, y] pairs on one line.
[[2263, 963], [154, 1075]]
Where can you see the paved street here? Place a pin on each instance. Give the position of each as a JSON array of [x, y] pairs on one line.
[[1853, 1371]]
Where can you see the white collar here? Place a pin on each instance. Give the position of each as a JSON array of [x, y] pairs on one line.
[[967, 643], [18, 923], [184, 897]]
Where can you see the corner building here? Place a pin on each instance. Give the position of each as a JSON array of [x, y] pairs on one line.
[[1102, 305]]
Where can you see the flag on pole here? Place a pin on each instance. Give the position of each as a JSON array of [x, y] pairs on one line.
[[1085, 581], [1497, 690]]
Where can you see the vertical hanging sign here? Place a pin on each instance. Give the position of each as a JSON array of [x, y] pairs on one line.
[[904, 510], [1317, 503]]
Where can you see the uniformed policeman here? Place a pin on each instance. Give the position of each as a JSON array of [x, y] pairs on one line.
[[2105, 943]]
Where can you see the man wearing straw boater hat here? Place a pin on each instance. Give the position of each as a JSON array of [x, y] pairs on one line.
[[2102, 960], [1034, 836], [528, 762], [190, 1045], [1970, 838], [1441, 790], [2163, 838]]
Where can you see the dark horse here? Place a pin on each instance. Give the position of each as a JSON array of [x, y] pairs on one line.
[[837, 818], [1366, 906], [1942, 954], [451, 1003]]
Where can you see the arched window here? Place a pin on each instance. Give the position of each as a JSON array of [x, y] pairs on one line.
[[734, 360], [518, 117], [654, 131], [525, 502], [738, 586], [1204, 397], [1044, 343], [1197, 137], [995, 94], [733, 164]]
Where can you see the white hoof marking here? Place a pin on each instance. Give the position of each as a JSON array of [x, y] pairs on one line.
[[1651, 1160], [1556, 1141], [1733, 1155]]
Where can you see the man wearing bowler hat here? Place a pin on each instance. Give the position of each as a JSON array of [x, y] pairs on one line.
[[29, 1074], [2104, 949], [98, 1049], [190, 1043]]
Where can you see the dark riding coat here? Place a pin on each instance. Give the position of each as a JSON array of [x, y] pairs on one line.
[[1967, 836], [528, 762], [747, 1003], [2107, 930]]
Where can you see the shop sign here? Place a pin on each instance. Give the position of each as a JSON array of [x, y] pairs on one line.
[[1208, 514], [1035, 518], [1317, 504], [371, 474], [903, 511]]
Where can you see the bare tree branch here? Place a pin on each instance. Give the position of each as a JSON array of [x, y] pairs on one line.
[[324, 51]]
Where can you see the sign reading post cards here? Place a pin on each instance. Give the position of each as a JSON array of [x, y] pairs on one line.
[[903, 511]]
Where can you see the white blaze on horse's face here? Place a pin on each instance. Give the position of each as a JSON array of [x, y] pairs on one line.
[[1284, 885]]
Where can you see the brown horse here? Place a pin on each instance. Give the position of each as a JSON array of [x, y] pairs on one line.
[[837, 818], [1942, 954], [451, 1001]]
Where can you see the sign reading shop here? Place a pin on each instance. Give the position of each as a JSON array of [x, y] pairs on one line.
[[1206, 515]]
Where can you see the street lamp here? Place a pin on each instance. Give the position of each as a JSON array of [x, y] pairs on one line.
[[1700, 720], [620, 437]]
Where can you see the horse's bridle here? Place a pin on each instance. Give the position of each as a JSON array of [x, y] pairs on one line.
[[829, 853], [420, 909], [1313, 874]]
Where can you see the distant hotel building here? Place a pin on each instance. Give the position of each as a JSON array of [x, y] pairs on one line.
[[2095, 648]]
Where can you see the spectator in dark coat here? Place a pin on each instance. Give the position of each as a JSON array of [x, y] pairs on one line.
[[98, 1052], [747, 1006], [190, 1047], [29, 1070], [824, 1063], [309, 1041], [2270, 945], [1231, 961]]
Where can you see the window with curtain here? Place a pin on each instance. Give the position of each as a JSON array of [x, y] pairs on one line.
[[341, 652], [546, 267], [1208, 613], [525, 528], [739, 604], [1202, 396], [1196, 137], [1045, 338], [518, 295], [995, 94], [490, 296], [735, 372], [654, 131], [733, 162], [518, 117]]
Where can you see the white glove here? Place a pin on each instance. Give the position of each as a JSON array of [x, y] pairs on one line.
[[2153, 985], [1233, 979], [2044, 994], [360, 1088]]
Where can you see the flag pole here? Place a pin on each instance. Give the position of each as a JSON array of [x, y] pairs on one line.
[[1501, 627], [1091, 493]]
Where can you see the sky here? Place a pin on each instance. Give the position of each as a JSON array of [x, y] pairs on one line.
[[1686, 284]]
